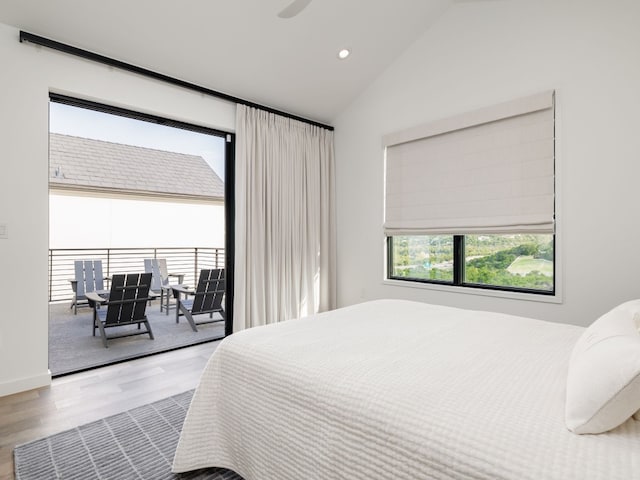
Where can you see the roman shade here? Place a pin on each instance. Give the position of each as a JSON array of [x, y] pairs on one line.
[[486, 171]]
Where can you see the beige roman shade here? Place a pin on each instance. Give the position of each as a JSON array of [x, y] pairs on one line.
[[487, 171]]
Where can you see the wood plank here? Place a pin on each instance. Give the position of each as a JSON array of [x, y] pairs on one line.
[[84, 397]]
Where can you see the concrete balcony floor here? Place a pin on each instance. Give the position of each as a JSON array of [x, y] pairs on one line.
[[72, 346]]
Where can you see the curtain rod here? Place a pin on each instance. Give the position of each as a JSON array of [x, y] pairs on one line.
[[78, 52]]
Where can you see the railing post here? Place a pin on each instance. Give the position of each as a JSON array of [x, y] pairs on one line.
[[195, 265], [108, 261]]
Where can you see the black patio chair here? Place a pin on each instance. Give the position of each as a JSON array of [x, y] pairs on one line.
[[126, 305], [205, 299]]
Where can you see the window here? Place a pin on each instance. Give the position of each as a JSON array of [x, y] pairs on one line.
[[422, 257], [522, 262], [470, 200]]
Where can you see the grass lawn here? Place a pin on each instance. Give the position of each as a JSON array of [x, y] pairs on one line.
[[526, 263]]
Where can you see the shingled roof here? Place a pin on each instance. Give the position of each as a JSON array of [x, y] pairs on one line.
[[95, 165]]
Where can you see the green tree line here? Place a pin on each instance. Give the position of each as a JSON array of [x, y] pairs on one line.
[[418, 259]]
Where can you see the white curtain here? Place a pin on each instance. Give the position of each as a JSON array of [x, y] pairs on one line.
[[285, 220]]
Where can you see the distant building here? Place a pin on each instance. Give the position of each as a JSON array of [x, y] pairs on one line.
[[105, 194]]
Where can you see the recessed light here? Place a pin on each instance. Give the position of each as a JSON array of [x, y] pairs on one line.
[[344, 53]]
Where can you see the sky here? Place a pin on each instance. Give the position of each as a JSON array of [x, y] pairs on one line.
[[82, 122]]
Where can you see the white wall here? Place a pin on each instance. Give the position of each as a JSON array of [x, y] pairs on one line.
[[477, 54], [29, 73], [482, 53], [98, 221]]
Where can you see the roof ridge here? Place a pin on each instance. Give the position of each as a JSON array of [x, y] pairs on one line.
[[125, 145]]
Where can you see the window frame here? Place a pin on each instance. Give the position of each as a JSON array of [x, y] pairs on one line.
[[458, 274]]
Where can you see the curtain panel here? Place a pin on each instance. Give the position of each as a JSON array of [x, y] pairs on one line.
[[285, 258]]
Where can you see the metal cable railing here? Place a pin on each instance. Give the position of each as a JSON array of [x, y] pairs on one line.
[[180, 260]]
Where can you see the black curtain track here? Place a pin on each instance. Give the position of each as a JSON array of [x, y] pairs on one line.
[[78, 52]]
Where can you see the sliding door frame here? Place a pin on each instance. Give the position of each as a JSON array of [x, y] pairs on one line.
[[229, 180]]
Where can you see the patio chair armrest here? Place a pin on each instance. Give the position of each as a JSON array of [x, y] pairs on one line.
[[74, 284], [93, 297]]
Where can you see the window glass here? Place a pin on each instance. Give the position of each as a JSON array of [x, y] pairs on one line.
[[522, 262], [422, 257], [519, 261]]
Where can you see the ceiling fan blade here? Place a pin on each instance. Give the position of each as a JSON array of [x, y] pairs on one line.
[[294, 8]]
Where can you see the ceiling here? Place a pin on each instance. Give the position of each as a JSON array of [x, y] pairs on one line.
[[241, 47]]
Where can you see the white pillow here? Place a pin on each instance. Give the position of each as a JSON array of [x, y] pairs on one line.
[[603, 383]]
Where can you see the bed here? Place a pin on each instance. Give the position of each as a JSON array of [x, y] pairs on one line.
[[392, 389]]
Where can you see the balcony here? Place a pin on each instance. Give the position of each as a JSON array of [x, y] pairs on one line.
[[72, 347]]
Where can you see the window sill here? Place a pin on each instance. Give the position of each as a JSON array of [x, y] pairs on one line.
[[530, 297]]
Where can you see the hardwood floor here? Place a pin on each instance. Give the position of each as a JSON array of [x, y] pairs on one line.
[[83, 397]]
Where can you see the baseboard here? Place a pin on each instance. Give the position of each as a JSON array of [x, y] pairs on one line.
[[24, 384]]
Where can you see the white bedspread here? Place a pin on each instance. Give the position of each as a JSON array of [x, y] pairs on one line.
[[398, 390]]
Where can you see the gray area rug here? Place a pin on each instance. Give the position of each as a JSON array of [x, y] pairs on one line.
[[137, 444], [73, 348]]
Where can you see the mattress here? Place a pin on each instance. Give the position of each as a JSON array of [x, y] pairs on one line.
[[394, 389]]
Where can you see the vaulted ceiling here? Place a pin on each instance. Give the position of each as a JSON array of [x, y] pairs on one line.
[[241, 47]]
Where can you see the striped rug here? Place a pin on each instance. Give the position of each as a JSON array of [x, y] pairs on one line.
[[137, 444]]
